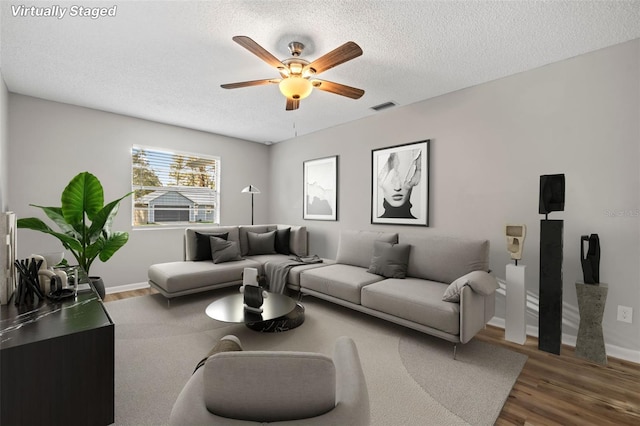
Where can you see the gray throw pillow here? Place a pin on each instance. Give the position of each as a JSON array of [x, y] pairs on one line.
[[264, 243], [224, 251], [390, 260], [203, 246], [480, 281]]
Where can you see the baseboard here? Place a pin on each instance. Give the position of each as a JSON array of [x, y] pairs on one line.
[[126, 287], [570, 340]]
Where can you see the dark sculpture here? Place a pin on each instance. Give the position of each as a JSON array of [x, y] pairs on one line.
[[551, 194], [29, 285], [590, 262]]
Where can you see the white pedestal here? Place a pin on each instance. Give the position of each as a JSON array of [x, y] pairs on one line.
[[516, 321]]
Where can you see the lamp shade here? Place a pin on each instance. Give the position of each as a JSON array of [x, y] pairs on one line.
[[251, 190], [295, 87]]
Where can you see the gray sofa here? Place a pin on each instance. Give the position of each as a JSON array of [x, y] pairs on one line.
[[437, 264], [196, 273]]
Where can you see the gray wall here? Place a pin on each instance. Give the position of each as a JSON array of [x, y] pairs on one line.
[[4, 144], [52, 142], [490, 144]]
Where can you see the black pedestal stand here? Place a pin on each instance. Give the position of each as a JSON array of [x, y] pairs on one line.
[[550, 312]]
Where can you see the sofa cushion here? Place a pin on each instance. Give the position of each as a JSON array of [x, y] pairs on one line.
[[282, 241], [223, 250], [338, 280], [389, 260], [356, 247], [180, 276], [415, 300], [297, 239], [443, 258], [264, 243], [203, 245]]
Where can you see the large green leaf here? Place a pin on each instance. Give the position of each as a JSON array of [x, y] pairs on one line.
[[113, 244], [103, 220], [55, 214], [84, 194], [38, 225]]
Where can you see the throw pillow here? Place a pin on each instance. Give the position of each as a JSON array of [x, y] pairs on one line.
[[282, 241], [224, 251], [390, 260], [228, 343], [452, 293], [480, 281], [264, 243], [203, 246]]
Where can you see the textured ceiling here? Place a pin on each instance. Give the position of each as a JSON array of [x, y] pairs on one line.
[[165, 61]]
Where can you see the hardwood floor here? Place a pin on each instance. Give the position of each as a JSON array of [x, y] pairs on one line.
[[555, 389]]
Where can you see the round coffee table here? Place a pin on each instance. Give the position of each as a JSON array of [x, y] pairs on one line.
[[279, 312]]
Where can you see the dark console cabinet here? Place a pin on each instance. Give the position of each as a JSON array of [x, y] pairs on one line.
[[57, 363]]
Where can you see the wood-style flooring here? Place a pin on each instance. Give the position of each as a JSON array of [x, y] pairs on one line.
[[555, 389]]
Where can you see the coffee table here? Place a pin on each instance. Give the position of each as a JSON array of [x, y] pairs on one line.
[[280, 312]]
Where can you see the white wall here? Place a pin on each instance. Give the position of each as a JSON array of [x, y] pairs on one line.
[[52, 142], [4, 143], [490, 144]]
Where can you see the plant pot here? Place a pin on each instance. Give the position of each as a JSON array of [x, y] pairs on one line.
[[98, 285]]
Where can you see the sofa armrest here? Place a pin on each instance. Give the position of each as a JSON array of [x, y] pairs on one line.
[[475, 311]]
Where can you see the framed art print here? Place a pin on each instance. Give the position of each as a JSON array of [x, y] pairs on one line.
[[320, 192], [400, 184]]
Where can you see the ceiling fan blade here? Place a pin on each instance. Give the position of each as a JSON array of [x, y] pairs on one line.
[[338, 89], [342, 54], [258, 50], [250, 83], [292, 104]]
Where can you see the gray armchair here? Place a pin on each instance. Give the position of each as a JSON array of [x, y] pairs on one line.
[[276, 387]]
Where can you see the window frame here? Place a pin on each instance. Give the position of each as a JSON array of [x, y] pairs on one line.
[[193, 209]]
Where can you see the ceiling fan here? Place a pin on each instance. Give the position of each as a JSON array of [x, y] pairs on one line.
[[298, 75]]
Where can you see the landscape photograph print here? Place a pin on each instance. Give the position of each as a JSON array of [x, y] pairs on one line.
[[400, 184], [320, 201]]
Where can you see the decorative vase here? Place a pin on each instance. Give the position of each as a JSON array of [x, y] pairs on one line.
[[98, 284]]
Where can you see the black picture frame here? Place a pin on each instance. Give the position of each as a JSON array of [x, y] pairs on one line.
[[320, 189], [400, 184]]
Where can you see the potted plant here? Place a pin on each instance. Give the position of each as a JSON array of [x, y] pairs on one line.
[[85, 223]]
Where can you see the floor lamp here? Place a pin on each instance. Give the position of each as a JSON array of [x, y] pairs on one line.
[[251, 190]]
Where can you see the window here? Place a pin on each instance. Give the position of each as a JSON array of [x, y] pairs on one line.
[[174, 188]]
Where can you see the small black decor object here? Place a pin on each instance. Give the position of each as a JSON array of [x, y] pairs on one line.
[[28, 284], [590, 261], [551, 194]]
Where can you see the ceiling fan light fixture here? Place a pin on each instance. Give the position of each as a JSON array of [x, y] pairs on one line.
[[295, 87]]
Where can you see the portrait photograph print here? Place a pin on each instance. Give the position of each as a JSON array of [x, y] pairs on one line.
[[320, 201], [400, 184]]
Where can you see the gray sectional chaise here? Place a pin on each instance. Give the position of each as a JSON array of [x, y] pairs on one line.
[[173, 279], [437, 264]]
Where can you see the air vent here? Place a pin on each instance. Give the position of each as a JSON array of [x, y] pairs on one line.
[[383, 106]]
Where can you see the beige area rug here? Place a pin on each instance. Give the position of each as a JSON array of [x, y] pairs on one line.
[[411, 377]]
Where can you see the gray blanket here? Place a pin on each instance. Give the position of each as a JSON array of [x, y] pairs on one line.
[[278, 272]]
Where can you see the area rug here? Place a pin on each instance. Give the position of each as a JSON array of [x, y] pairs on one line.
[[412, 378]]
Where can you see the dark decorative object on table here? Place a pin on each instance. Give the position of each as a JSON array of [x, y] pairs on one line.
[[253, 298], [590, 262], [28, 284], [551, 248]]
